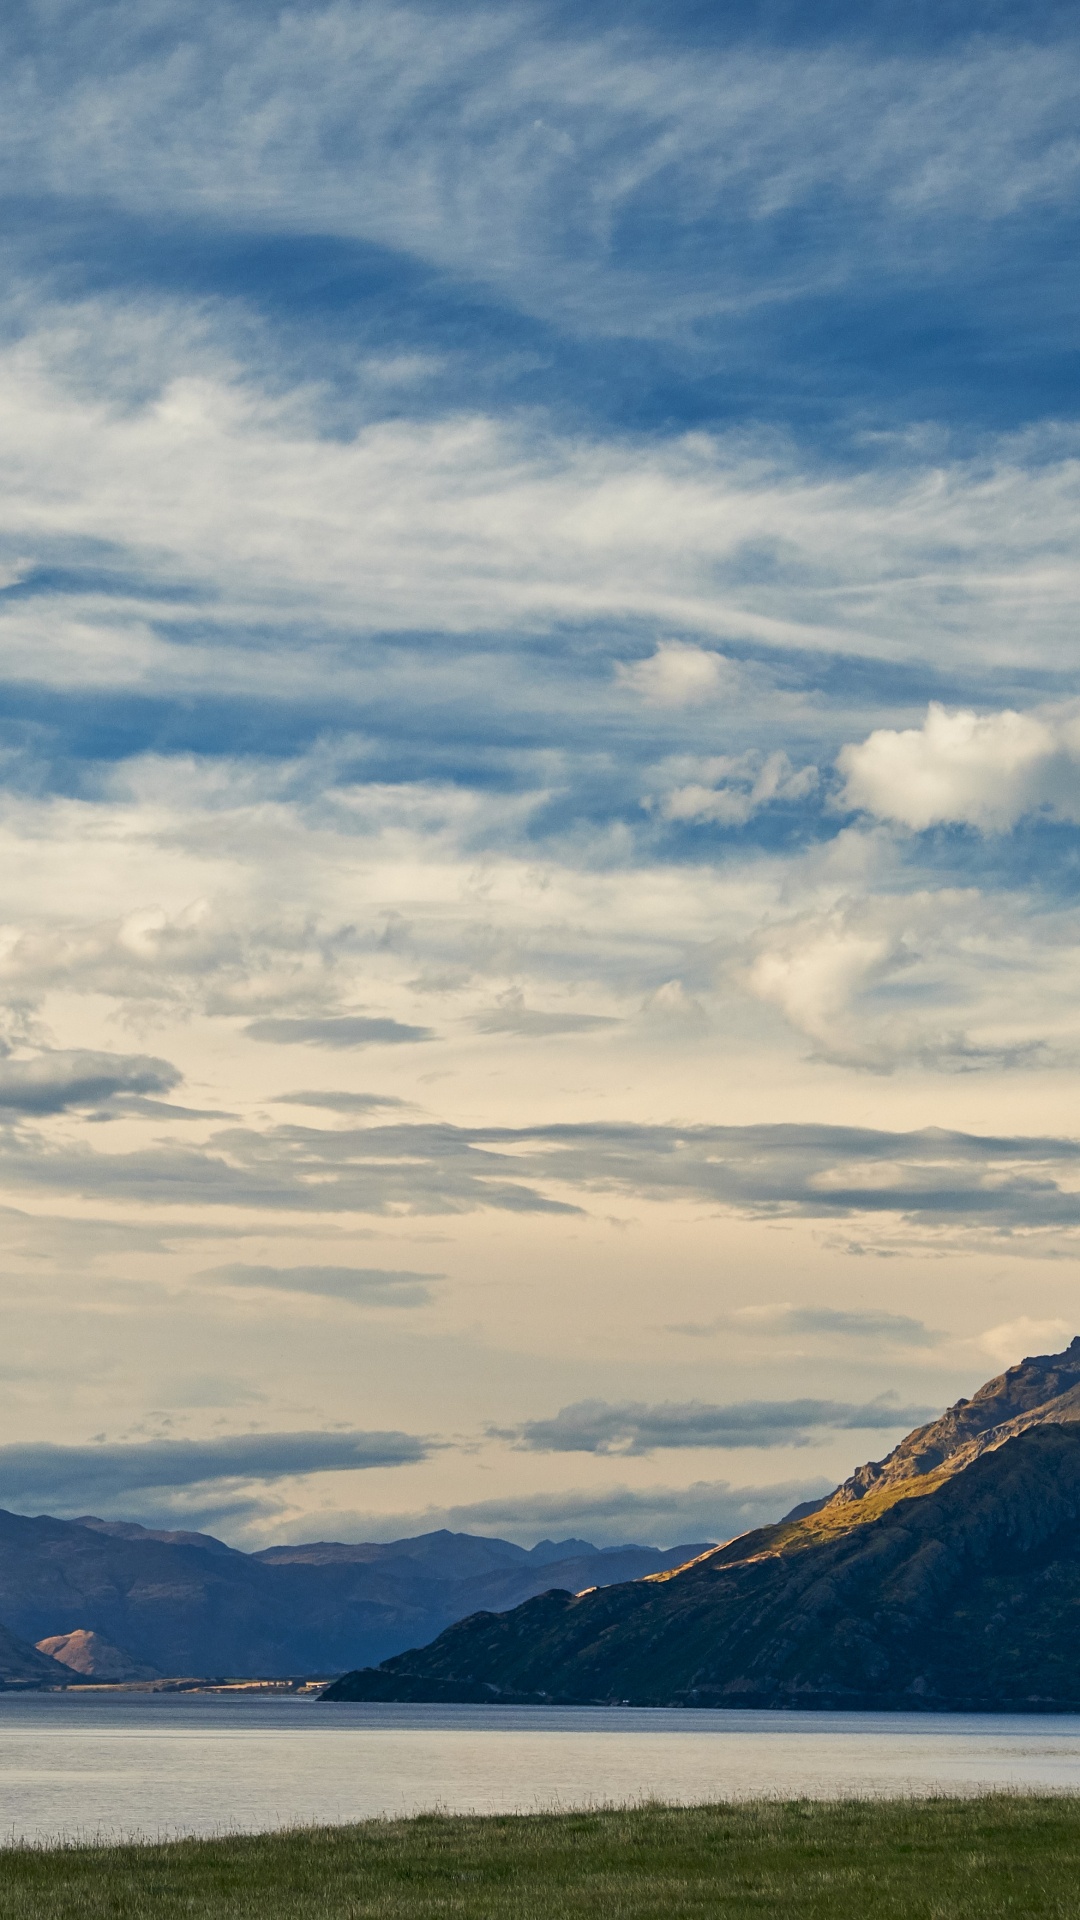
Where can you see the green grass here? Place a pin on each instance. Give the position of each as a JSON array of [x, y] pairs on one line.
[[845, 1860]]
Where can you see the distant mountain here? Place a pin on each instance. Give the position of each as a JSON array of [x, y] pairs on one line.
[[947, 1575], [132, 1530], [87, 1654], [185, 1604], [22, 1665]]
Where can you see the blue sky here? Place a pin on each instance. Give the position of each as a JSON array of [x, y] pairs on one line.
[[540, 752]]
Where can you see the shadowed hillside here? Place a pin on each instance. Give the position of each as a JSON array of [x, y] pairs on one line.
[[22, 1665], [186, 1604]]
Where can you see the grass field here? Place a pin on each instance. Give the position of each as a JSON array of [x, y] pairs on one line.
[[838, 1861]]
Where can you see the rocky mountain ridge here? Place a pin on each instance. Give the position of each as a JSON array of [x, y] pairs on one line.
[[1041, 1390]]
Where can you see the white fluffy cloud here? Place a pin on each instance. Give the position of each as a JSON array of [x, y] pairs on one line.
[[952, 979], [678, 675], [814, 970], [985, 770]]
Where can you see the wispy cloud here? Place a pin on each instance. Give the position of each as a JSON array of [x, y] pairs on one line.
[[782, 1321], [595, 1426], [204, 493], [931, 1177], [361, 1286], [336, 1030], [511, 1015], [332, 1101], [358, 121]]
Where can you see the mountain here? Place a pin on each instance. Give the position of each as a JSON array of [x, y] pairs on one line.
[[1040, 1391], [22, 1665], [947, 1575], [186, 1604], [93, 1658]]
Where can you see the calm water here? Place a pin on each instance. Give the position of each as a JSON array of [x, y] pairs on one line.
[[143, 1764]]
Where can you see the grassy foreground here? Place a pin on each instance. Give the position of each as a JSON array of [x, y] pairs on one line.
[[860, 1859]]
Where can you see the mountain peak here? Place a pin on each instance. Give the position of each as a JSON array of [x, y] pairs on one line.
[[1043, 1388], [95, 1658]]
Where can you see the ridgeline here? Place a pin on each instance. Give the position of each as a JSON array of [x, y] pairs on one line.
[[112, 1601]]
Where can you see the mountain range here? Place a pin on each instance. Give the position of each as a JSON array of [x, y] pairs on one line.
[[947, 1576], [122, 1600]]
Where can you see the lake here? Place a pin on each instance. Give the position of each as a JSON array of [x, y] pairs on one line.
[[141, 1765]]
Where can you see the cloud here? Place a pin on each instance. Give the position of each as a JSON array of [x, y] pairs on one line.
[[55, 1080], [980, 770], [495, 147], [734, 803], [930, 1177], [338, 1031], [362, 1286], [1006, 1343], [706, 1511], [333, 1101], [414, 460], [206, 492], [207, 1390], [903, 978], [74, 1478], [813, 968], [511, 1015], [678, 674], [595, 1426], [671, 1010], [830, 1323]]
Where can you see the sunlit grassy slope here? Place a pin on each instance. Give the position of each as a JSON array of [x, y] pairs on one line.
[[787, 1536], [842, 1861]]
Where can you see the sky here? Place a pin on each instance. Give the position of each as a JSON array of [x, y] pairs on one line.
[[540, 752]]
